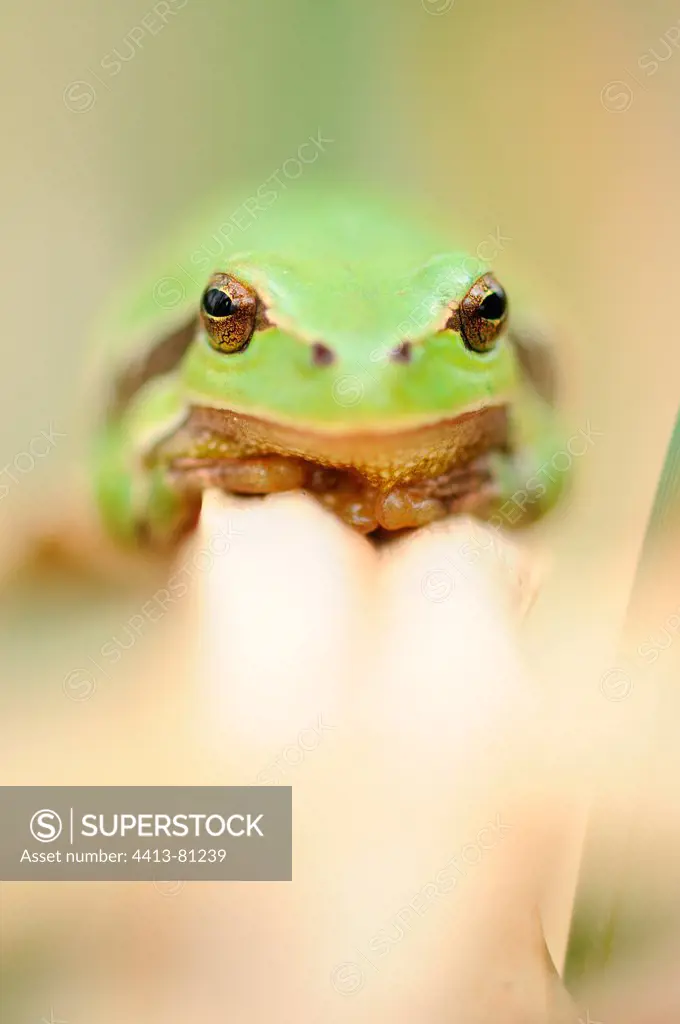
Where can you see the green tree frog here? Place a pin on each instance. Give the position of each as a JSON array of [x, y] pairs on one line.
[[337, 346]]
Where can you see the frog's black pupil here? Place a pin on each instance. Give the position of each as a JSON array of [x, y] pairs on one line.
[[494, 305], [217, 303]]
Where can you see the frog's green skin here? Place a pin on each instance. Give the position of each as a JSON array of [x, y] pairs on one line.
[[385, 439]]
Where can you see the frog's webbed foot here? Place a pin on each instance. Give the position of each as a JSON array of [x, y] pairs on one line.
[[367, 508], [463, 481], [343, 493], [470, 489], [347, 496], [474, 489], [405, 508]]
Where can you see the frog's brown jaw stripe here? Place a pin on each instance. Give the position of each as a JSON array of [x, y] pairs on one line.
[[383, 458], [158, 359]]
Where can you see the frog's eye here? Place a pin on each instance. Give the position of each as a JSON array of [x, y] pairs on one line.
[[228, 313], [481, 316]]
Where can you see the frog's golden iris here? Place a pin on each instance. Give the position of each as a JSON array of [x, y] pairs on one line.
[[482, 314], [229, 313]]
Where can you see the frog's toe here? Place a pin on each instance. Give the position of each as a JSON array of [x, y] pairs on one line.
[[354, 504], [406, 508], [265, 474]]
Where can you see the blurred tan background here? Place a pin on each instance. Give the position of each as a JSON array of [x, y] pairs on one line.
[[556, 125]]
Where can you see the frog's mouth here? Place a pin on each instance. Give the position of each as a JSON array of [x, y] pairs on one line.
[[382, 458]]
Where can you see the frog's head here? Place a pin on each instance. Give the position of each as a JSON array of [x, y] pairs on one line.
[[344, 347]]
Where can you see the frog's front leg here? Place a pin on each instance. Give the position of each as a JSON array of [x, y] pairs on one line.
[[467, 488], [530, 477], [266, 474], [138, 504], [139, 500]]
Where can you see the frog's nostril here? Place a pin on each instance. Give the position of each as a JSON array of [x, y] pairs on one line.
[[402, 353], [322, 355]]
